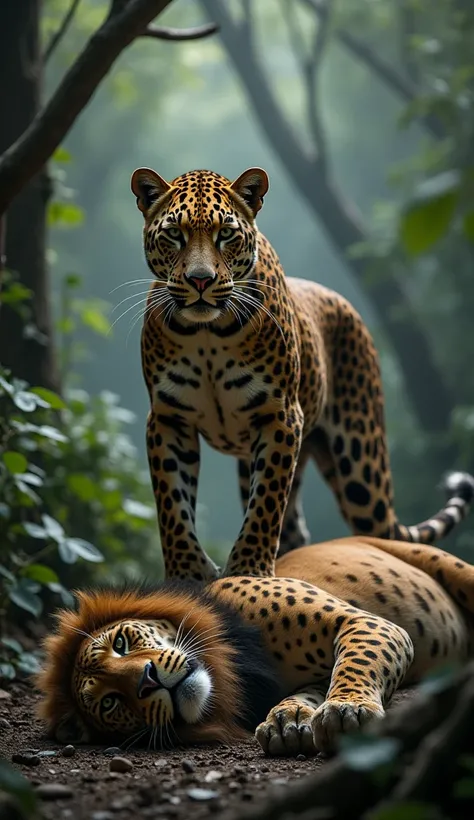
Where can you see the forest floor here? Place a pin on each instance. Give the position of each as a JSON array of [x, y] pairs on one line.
[[199, 781]]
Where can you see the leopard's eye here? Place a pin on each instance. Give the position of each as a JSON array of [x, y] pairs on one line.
[[226, 233], [120, 644], [174, 233], [108, 702]]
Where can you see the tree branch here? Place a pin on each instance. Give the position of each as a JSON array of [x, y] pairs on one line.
[[403, 87], [178, 34], [59, 34], [343, 226], [125, 22]]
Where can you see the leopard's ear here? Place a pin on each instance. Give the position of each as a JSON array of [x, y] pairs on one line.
[[71, 729], [148, 187], [252, 186]]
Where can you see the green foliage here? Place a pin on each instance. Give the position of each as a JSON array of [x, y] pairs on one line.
[[12, 782], [71, 493]]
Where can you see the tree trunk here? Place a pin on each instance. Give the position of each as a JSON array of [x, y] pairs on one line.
[[29, 355]]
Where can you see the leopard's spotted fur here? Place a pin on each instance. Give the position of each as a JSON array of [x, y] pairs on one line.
[[274, 371], [316, 651]]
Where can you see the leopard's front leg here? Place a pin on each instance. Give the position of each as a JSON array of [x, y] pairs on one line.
[[173, 456], [275, 450]]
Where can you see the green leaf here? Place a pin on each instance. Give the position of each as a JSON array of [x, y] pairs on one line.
[[468, 226], [14, 462], [363, 753], [6, 386], [25, 401], [34, 530], [68, 555], [12, 644], [7, 672], [13, 782], [7, 574], [64, 215], [25, 599], [95, 320], [428, 217], [84, 550], [464, 788], [53, 528], [54, 401], [61, 155], [73, 280], [28, 663], [407, 811], [138, 510], [66, 596], [82, 486], [51, 432], [32, 479], [41, 573]]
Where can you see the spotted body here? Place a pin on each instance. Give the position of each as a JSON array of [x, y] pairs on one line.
[[271, 370], [299, 658]]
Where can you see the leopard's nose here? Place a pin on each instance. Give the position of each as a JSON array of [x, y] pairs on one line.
[[201, 278], [148, 682]]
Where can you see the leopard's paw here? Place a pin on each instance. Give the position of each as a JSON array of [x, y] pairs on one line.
[[334, 718], [287, 731]]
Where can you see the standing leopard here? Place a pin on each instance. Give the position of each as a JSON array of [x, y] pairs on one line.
[[300, 658], [272, 370]]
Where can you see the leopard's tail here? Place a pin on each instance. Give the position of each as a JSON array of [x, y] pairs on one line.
[[459, 489]]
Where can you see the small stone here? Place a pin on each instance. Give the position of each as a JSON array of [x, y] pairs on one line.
[[47, 753], [5, 724], [53, 791], [213, 775], [161, 763], [69, 751], [301, 757], [188, 766], [112, 750], [120, 764], [26, 759], [4, 695], [102, 815], [175, 800], [202, 794]]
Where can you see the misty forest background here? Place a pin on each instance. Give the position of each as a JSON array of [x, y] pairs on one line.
[[362, 114]]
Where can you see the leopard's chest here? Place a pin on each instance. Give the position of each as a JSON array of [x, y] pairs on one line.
[[216, 394]]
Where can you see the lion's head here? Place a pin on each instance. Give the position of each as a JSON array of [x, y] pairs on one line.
[[171, 665]]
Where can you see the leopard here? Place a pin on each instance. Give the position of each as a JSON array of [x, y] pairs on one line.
[[299, 659], [273, 370]]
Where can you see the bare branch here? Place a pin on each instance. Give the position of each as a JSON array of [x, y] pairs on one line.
[[312, 73], [59, 34], [178, 34], [384, 71], [126, 21]]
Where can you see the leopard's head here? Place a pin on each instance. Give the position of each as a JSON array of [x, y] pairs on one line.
[[200, 237]]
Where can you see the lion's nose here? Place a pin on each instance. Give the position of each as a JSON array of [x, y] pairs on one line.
[[148, 682], [200, 279]]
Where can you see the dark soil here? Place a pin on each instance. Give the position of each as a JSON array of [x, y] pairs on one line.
[[230, 781], [160, 784]]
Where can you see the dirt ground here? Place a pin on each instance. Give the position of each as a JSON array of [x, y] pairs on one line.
[[201, 782]]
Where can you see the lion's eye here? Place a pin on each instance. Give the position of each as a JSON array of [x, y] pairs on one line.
[[108, 702], [120, 644], [174, 233], [226, 233]]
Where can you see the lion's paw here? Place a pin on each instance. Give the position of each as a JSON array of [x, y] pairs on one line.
[[287, 731], [334, 718]]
